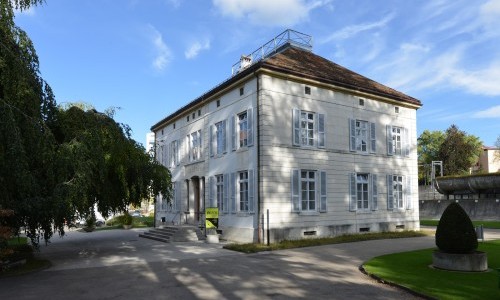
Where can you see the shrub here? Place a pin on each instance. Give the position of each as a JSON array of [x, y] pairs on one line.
[[455, 232]]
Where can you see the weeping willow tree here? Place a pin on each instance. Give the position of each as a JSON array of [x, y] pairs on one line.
[[57, 162]]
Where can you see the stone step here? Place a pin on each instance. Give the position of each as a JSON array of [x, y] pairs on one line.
[[155, 234], [156, 238], [184, 233]]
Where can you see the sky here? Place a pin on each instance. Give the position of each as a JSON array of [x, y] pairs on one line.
[[149, 58]]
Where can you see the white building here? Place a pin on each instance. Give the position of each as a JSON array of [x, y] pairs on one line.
[[150, 141], [325, 150]]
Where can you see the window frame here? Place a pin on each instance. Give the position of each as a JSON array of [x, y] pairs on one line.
[[297, 191], [301, 127]]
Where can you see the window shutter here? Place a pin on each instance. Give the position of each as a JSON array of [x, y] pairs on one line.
[[390, 195], [407, 142], [178, 195], [232, 185], [178, 152], [374, 192], [224, 137], [390, 150], [211, 186], [250, 191], [189, 147], [225, 188], [373, 139], [212, 138], [408, 196], [295, 190], [321, 131], [353, 205], [250, 127], [323, 191], [232, 126], [200, 141], [296, 126], [352, 135]]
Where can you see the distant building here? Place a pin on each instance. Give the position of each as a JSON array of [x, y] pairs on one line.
[[150, 141], [325, 150], [489, 161]]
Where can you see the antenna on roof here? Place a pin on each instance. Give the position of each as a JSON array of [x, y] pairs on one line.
[[287, 38]]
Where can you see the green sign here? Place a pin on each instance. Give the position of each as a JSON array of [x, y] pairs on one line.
[[211, 217]]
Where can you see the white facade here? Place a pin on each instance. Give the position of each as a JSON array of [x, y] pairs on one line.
[[323, 159]]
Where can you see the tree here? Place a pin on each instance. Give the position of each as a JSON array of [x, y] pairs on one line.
[[455, 232], [459, 151], [56, 162]]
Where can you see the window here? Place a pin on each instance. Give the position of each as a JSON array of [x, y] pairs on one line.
[[308, 191], [174, 125], [218, 103], [243, 188], [307, 90], [363, 192], [308, 129], [218, 138], [398, 192], [242, 91], [397, 141], [242, 130], [174, 201], [187, 119], [361, 102], [193, 116], [194, 145], [199, 112], [220, 129], [396, 109], [362, 136], [174, 153]]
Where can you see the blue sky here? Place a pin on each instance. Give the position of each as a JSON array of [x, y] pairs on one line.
[[151, 57]]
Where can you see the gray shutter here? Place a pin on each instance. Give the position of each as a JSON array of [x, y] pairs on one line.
[[408, 195], [189, 147], [296, 127], [178, 153], [211, 186], [200, 141], [323, 191], [390, 150], [232, 185], [321, 131], [225, 178], [212, 139], [250, 191], [390, 195], [250, 127], [224, 137], [406, 140], [295, 190], [178, 196], [232, 125], [374, 192], [353, 205], [373, 138], [352, 135]]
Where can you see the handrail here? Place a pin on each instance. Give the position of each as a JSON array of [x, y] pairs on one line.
[[288, 36]]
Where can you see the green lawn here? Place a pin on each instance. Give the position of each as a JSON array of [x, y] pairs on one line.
[[486, 224], [411, 270]]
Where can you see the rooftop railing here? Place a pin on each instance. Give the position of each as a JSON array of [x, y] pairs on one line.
[[288, 36]]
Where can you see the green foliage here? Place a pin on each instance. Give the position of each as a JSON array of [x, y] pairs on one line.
[[456, 149], [411, 270], [455, 232], [56, 163]]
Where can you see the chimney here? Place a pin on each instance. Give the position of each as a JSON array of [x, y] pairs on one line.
[[245, 62]]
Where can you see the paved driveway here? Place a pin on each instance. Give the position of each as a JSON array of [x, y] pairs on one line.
[[117, 264]]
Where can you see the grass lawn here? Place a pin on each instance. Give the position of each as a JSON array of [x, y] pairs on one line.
[[411, 270], [486, 224], [253, 248]]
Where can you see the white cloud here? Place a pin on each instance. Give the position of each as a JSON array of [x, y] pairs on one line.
[[490, 12], [492, 112], [353, 30], [195, 48], [269, 13], [163, 55], [175, 3]]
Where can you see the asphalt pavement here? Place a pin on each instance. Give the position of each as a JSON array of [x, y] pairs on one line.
[[117, 264]]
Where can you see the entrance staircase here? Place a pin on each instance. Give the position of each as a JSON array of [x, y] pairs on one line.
[[168, 234]]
